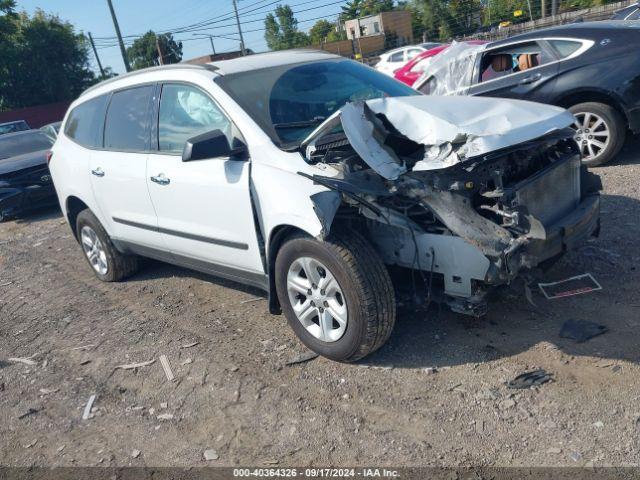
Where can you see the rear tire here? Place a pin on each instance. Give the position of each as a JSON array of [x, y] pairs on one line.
[[604, 118], [108, 264], [366, 297]]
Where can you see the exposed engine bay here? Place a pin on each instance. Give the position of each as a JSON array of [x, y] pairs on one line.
[[476, 202]]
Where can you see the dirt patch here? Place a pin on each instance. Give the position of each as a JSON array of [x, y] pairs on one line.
[[434, 395]]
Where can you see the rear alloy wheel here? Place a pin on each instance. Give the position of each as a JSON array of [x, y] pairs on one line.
[[600, 132], [107, 262]]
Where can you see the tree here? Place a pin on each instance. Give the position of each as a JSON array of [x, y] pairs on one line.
[[320, 31], [281, 30], [144, 51], [42, 59], [361, 8]]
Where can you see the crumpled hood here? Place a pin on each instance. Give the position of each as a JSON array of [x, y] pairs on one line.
[[451, 128]]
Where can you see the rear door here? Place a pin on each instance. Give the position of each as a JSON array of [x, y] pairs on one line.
[[119, 169], [204, 206], [518, 70]]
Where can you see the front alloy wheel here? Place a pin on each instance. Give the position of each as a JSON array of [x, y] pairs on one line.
[[600, 132], [592, 135], [317, 299]]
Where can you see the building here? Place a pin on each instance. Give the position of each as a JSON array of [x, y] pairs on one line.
[[395, 22]]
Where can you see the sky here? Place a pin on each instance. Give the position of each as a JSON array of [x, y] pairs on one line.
[[139, 16]]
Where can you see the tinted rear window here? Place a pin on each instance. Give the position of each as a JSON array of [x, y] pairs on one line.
[[13, 145], [84, 124], [127, 124]]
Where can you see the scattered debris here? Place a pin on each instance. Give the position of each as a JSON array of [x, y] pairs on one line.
[[430, 370], [569, 287], [164, 405], [165, 416], [167, 368], [254, 299], [529, 294], [598, 424], [6, 284], [31, 444], [87, 408], [575, 456], [30, 411], [84, 347], [555, 450], [189, 345], [529, 379], [233, 368], [272, 461], [506, 404], [26, 361], [210, 454], [302, 357], [187, 361], [48, 391], [581, 330], [85, 362], [131, 366], [135, 453]]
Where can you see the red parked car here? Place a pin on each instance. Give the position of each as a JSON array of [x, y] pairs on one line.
[[414, 68]]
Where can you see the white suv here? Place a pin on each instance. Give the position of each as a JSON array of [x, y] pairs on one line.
[[306, 175]]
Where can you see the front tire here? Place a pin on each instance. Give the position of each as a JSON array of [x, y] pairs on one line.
[[336, 294], [108, 264], [600, 132]]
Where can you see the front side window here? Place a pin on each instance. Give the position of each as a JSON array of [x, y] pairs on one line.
[[127, 124], [397, 57], [84, 122], [184, 113], [512, 59]]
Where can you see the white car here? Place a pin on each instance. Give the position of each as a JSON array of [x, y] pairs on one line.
[[307, 175], [394, 59]]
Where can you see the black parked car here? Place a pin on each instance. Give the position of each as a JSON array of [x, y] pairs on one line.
[[25, 181], [632, 12], [591, 68]]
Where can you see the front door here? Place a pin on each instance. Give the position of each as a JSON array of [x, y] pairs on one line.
[[204, 206], [119, 170], [519, 70]]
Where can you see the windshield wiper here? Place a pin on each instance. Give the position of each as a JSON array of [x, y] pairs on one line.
[[301, 124]]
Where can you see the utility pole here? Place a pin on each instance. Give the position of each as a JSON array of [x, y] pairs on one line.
[[160, 59], [235, 9], [554, 8], [213, 47], [95, 52], [543, 9], [117, 27]]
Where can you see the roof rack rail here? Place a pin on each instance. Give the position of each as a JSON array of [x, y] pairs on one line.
[[173, 66]]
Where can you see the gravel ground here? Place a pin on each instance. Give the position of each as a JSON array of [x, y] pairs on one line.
[[234, 393]]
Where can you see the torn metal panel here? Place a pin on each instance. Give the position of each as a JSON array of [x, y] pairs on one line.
[[366, 136], [326, 204]]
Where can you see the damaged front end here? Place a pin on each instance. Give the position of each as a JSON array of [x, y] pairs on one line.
[[476, 190]]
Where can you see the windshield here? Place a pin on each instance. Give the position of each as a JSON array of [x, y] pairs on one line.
[[288, 102], [19, 144]]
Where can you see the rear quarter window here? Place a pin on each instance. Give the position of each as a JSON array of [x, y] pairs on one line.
[[85, 121], [565, 47]]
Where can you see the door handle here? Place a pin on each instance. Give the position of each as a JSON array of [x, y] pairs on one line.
[[160, 179], [98, 172], [531, 78]]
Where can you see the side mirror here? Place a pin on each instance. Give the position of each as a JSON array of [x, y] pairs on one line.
[[213, 144]]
